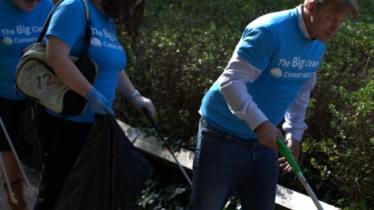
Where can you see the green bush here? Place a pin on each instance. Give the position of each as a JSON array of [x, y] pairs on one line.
[[339, 140]]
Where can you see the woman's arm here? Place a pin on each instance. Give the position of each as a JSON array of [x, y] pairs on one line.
[[58, 58], [125, 87]]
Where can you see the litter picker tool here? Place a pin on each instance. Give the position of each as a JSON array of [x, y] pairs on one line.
[[19, 164], [286, 152], [150, 118]]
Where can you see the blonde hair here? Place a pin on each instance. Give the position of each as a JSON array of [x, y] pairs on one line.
[[340, 5]]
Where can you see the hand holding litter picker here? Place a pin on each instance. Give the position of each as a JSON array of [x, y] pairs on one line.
[[286, 152]]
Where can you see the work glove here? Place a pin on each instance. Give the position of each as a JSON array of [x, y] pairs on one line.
[[98, 103], [142, 102]]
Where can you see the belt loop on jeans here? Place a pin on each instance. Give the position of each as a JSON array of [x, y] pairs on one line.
[[204, 123]]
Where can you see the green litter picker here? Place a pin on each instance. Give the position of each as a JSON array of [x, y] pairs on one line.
[[286, 152]]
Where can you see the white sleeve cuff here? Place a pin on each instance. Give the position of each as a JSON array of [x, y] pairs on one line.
[[296, 134], [253, 116]]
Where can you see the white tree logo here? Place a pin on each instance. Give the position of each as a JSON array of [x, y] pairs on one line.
[[276, 72], [96, 42], [7, 41]]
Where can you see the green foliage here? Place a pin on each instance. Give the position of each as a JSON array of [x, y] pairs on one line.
[[184, 45], [167, 188], [340, 135]]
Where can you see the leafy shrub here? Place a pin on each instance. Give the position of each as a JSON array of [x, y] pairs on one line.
[[340, 136]]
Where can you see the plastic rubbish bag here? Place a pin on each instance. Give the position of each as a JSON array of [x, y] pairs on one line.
[[109, 172]]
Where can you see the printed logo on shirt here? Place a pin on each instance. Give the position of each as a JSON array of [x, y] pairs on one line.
[[277, 72], [18, 34], [104, 38], [296, 63]]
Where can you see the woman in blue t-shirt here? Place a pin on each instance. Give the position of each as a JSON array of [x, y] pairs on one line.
[[20, 24], [65, 37]]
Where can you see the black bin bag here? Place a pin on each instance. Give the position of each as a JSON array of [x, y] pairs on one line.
[[109, 173]]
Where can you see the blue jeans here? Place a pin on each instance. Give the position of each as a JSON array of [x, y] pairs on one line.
[[225, 164]]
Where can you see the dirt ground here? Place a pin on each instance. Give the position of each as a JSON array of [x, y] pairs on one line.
[[30, 193]]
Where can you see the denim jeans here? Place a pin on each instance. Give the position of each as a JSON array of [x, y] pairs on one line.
[[225, 164]]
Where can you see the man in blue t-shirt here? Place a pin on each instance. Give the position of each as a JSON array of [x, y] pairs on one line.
[[268, 78], [20, 24]]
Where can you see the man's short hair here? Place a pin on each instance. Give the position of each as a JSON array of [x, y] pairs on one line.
[[340, 5]]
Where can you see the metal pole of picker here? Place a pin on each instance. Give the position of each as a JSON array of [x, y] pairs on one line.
[[150, 118], [286, 152]]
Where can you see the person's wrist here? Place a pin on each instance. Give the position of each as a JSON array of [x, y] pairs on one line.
[[136, 93], [90, 93]]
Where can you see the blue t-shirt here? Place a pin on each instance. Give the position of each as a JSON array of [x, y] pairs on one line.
[[274, 44], [18, 30], [68, 24]]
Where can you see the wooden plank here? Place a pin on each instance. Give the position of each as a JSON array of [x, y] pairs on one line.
[[285, 198], [295, 200], [155, 147]]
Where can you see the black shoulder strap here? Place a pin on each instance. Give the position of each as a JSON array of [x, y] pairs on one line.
[[88, 32]]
